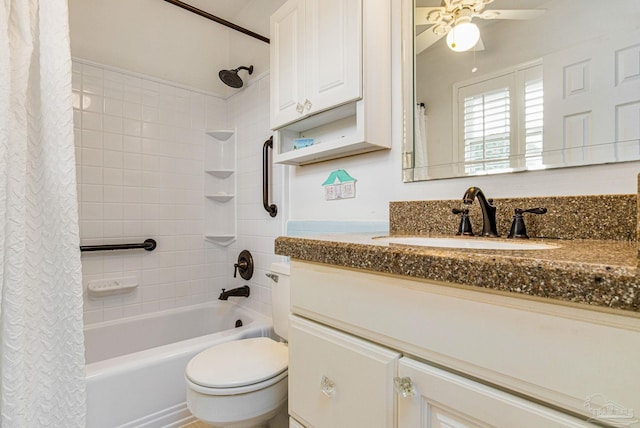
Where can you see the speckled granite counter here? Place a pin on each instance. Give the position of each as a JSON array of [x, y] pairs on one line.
[[599, 273]]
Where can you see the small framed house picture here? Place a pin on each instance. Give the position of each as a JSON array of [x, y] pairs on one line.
[[339, 185]]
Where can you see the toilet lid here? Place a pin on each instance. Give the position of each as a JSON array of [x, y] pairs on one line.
[[238, 363]]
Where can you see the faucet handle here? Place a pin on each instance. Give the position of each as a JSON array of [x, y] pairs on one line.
[[531, 210], [465, 222], [518, 229]]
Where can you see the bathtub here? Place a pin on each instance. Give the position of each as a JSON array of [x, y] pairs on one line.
[[135, 366]]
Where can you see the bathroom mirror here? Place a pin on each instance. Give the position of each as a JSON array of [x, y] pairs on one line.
[[559, 88]]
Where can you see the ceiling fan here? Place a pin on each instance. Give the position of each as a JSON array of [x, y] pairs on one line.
[[453, 19]]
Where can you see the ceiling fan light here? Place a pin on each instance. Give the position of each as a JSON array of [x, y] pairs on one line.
[[463, 36]]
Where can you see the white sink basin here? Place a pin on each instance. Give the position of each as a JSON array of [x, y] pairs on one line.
[[476, 244]]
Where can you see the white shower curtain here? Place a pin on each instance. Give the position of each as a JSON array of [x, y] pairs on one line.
[[41, 341], [420, 143]]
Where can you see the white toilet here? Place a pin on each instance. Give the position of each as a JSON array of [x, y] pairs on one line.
[[243, 383]]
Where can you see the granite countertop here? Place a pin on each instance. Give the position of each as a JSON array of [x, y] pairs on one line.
[[599, 273]]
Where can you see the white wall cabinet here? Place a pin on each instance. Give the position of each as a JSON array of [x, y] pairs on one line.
[[287, 51], [220, 187], [316, 57], [475, 359], [330, 78]]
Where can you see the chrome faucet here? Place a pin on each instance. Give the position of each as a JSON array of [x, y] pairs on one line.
[[243, 291], [489, 227]]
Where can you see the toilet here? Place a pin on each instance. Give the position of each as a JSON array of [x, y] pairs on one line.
[[243, 383]]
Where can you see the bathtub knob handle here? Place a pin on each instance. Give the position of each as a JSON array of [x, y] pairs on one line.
[[241, 265], [244, 266]]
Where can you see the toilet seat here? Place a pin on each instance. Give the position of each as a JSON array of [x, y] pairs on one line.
[[238, 367]]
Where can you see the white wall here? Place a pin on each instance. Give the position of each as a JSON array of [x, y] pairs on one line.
[[161, 40], [116, 142], [244, 50], [140, 145], [139, 151], [139, 154], [380, 179], [150, 37], [248, 112]]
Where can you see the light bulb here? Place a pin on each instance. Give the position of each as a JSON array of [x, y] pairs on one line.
[[463, 36]]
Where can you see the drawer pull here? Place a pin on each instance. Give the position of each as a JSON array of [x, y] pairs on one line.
[[327, 386], [404, 386]]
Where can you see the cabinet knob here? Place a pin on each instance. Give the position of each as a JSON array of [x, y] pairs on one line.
[[307, 104], [327, 386], [299, 108], [404, 386]]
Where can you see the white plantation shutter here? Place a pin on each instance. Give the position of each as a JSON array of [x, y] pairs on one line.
[[533, 121], [500, 119], [487, 131]]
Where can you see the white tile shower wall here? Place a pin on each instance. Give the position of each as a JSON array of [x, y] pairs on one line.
[[248, 112], [139, 156]]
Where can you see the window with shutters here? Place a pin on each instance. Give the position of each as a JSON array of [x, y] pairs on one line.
[[533, 120], [499, 121]]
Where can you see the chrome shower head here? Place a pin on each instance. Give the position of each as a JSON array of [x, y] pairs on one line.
[[231, 78]]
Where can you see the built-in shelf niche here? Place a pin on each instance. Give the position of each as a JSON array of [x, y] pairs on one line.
[[220, 207]]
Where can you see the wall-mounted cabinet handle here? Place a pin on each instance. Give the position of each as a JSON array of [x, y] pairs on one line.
[[299, 108], [307, 104], [270, 208]]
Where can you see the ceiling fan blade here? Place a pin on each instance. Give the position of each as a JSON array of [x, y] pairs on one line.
[[421, 13], [426, 39], [511, 13]]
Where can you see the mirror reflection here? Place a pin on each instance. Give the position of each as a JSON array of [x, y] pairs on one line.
[[513, 85]]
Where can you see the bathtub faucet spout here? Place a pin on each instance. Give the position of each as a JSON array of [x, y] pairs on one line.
[[243, 291]]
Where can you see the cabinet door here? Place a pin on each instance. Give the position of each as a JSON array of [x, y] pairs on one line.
[[337, 380], [294, 424], [443, 399], [287, 61], [334, 53]]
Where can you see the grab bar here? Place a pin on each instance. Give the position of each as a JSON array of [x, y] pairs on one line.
[[271, 209], [148, 244]]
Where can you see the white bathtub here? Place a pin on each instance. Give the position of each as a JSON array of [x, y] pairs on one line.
[[135, 366]]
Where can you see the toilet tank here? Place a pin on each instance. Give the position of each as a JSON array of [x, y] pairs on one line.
[[280, 298]]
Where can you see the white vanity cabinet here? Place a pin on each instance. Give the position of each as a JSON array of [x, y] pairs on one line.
[[438, 398], [316, 57], [340, 380], [330, 79], [474, 358]]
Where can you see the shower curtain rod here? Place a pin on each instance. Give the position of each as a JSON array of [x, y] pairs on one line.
[[217, 19]]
